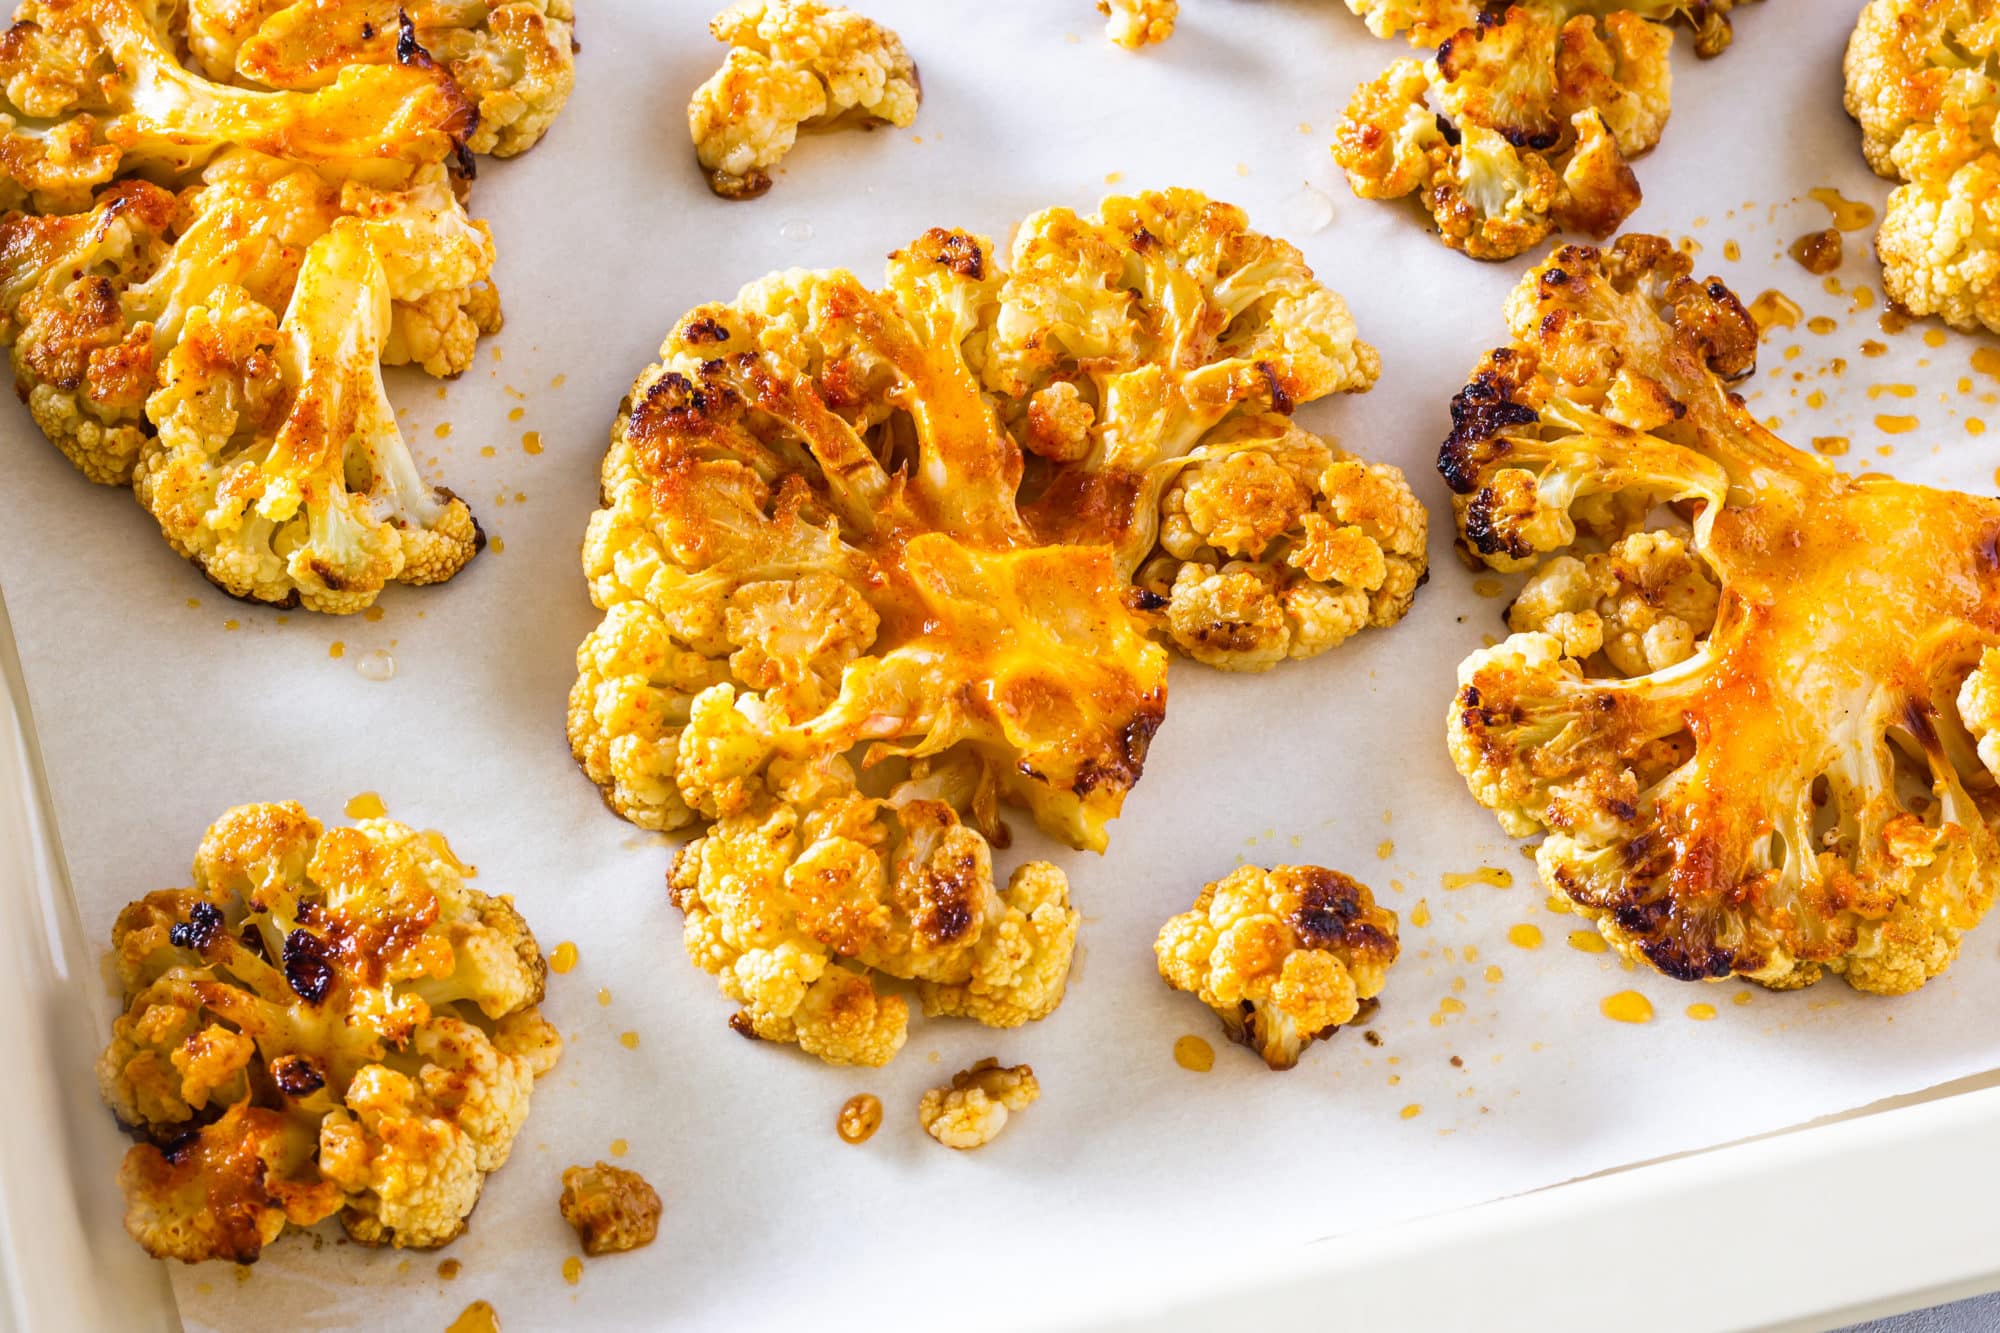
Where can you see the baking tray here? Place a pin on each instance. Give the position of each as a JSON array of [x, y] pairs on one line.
[[158, 713]]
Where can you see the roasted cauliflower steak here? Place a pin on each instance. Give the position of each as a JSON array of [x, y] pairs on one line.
[[1524, 122], [1751, 699], [919, 532], [223, 222], [1921, 83], [329, 1022]]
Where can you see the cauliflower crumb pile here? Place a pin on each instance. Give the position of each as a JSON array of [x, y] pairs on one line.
[[612, 1209], [793, 64], [1921, 82], [1752, 702], [1525, 121], [1284, 956], [1136, 23], [972, 1111], [930, 535], [223, 218], [329, 1022]]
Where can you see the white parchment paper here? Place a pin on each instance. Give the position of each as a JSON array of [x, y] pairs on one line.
[[161, 703]]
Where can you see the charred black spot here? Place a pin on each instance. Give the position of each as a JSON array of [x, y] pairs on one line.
[[204, 923], [308, 966], [1331, 913], [1447, 129], [176, 1149], [947, 921], [1555, 277], [1145, 599], [367, 31], [962, 255], [1141, 239], [1485, 533], [1917, 719], [1686, 960], [253, 940], [1280, 400], [297, 1075], [703, 329], [1479, 413], [408, 48]]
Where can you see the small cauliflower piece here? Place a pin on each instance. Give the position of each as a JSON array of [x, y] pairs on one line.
[[1136, 23], [612, 1209], [329, 1022], [793, 64], [1760, 744], [1284, 956], [1429, 22], [974, 1108], [1526, 119]]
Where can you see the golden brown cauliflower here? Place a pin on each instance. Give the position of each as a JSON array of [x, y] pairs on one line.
[[513, 59], [793, 64], [1754, 741], [1136, 23], [1284, 956], [612, 1209], [1920, 82], [971, 1112], [814, 555], [1524, 122], [223, 242], [329, 1021], [1429, 22]]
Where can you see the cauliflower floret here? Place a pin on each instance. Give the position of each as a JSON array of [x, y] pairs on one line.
[[793, 63], [1136, 23], [1979, 708], [1284, 956], [1919, 83], [1524, 121], [972, 1111], [612, 1209], [328, 1022], [1429, 22], [1751, 744], [313, 499]]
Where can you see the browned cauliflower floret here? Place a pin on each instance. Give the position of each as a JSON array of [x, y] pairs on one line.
[[1284, 956], [1524, 121], [1920, 82], [1429, 22], [1753, 744], [1136, 23], [813, 556], [972, 1111], [329, 1021], [793, 63], [612, 1209]]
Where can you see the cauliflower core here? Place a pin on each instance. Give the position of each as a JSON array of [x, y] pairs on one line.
[[792, 65], [1751, 701], [612, 1209], [208, 257], [934, 531], [1921, 82], [329, 1021], [1524, 122], [1284, 956], [973, 1109]]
